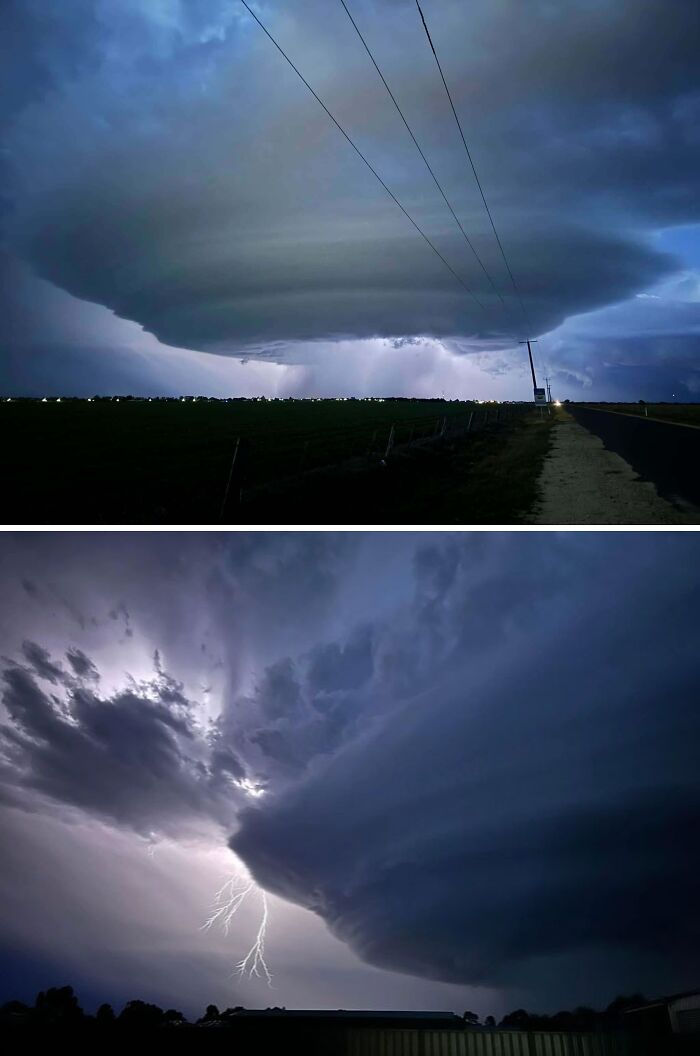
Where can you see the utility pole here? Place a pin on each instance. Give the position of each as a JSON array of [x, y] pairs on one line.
[[549, 391], [539, 394], [529, 353]]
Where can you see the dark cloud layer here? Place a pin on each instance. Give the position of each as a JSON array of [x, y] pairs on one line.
[[529, 805], [484, 773], [171, 167]]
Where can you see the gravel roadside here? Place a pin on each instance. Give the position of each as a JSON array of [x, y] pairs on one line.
[[583, 483]]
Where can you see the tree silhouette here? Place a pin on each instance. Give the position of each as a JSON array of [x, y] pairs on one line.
[[58, 1005], [58, 1008], [520, 1018], [140, 1014], [613, 1013], [14, 1012]]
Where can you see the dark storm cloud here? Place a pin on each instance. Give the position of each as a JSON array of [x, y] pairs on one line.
[[82, 665], [484, 771], [40, 660], [335, 666], [54, 344], [526, 807], [203, 192], [283, 574], [278, 693], [137, 758], [301, 711]]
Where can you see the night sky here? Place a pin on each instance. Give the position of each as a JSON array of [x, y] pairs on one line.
[[464, 767], [179, 215]]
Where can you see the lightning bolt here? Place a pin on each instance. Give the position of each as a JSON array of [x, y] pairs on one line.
[[254, 961], [227, 901]]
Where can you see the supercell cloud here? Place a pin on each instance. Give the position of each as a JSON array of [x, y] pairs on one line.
[[164, 162], [519, 805], [478, 755]]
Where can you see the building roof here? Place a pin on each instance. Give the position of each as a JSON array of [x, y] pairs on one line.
[[663, 1001], [341, 1013]]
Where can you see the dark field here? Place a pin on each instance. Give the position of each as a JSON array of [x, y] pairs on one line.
[[302, 462], [686, 413]]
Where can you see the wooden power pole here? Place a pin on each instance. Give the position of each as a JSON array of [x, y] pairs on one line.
[[540, 395]]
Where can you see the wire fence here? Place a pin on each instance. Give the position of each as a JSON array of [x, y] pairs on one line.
[[256, 467], [165, 462]]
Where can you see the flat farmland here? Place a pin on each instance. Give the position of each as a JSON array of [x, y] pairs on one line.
[[172, 462]]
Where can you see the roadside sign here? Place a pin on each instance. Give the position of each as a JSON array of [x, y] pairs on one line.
[[540, 396]]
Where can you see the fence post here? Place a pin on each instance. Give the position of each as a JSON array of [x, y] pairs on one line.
[[444, 426], [228, 482], [469, 424], [390, 443]]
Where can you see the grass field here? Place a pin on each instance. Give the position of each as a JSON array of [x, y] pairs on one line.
[[486, 478], [687, 413], [168, 462]]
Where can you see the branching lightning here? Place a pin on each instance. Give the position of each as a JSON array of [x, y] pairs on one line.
[[254, 961], [227, 901]]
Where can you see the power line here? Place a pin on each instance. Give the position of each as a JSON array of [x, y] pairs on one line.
[[361, 155], [420, 151], [473, 167]]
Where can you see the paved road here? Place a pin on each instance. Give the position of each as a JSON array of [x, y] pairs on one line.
[[667, 455]]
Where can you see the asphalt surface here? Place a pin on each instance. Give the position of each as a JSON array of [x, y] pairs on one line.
[[667, 455]]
